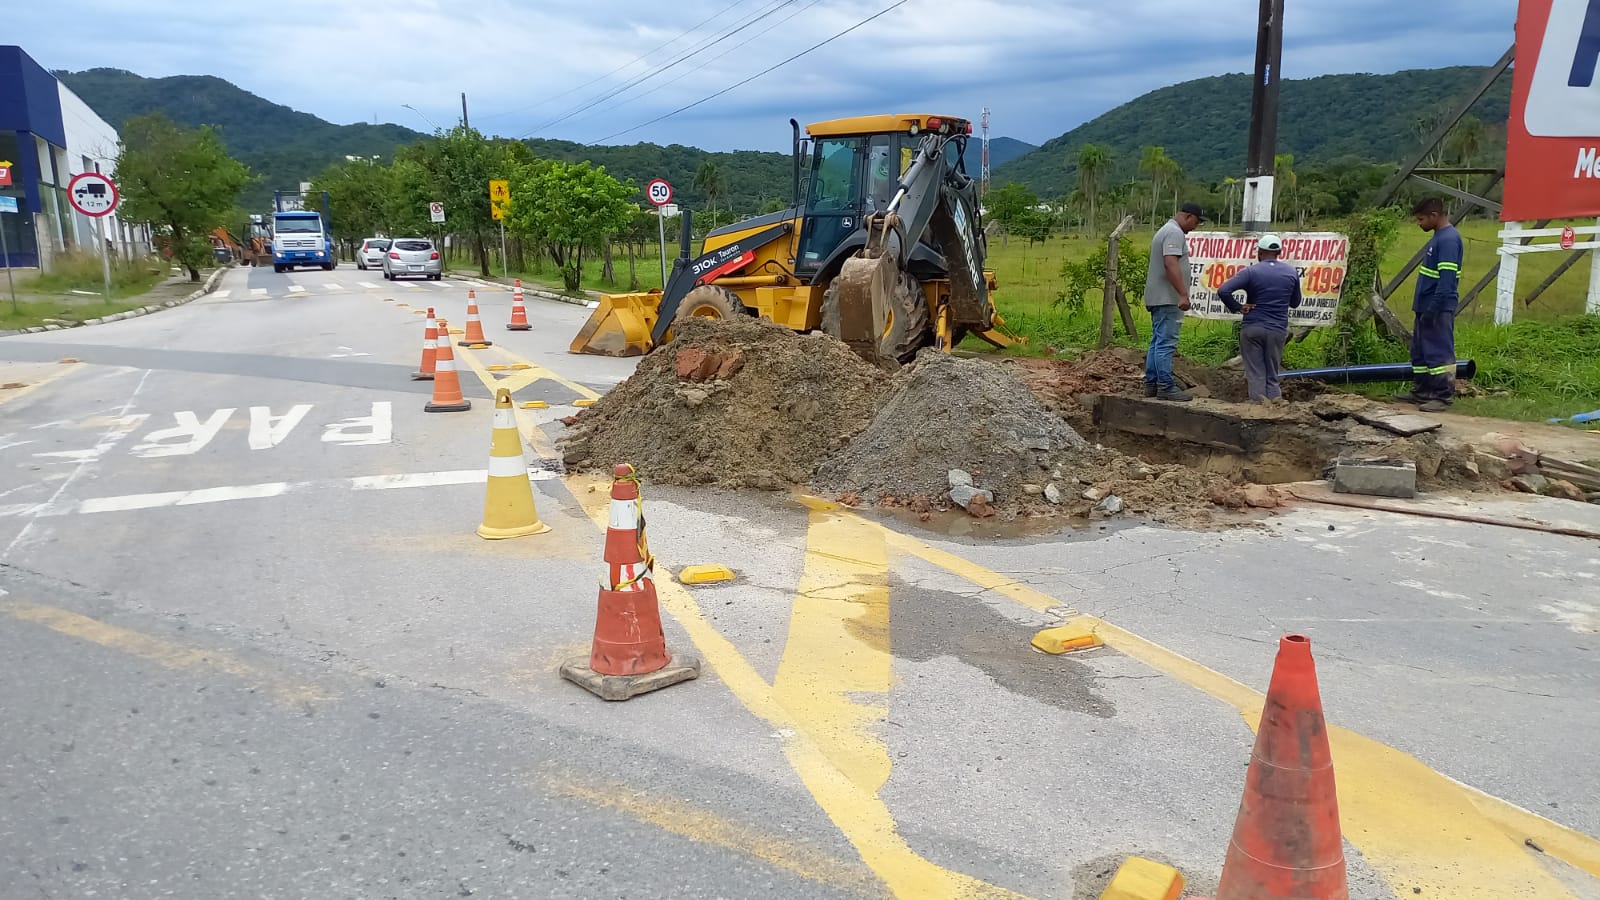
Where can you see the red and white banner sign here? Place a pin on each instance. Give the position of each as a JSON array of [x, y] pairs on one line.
[[1321, 257], [1553, 137]]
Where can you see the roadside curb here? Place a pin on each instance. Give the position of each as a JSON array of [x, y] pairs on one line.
[[205, 289], [541, 293]]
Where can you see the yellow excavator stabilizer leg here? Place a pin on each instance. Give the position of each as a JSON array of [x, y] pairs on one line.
[[999, 336], [619, 326]]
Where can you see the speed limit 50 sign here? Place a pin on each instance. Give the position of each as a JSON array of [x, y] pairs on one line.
[[658, 192]]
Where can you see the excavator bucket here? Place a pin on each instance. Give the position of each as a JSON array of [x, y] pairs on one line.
[[863, 286], [619, 326]]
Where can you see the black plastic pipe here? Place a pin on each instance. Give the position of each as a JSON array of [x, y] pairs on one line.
[[1465, 370]]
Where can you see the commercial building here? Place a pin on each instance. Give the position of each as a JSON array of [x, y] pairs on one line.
[[48, 135]]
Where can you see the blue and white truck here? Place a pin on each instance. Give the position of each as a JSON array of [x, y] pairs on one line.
[[300, 237]]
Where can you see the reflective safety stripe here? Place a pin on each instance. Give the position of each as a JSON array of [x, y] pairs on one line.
[[444, 365], [507, 466], [1426, 272], [1441, 370], [430, 344], [1419, 370], [504, 418], [1449, 267], [624, 515]]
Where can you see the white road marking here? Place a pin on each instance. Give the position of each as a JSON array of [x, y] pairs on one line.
[[446, 284], [296, 289], [333, 286], [363, 431], [230, 493], [258, 292], [368, 285], [190, 435], [221, 295], [268, 431]]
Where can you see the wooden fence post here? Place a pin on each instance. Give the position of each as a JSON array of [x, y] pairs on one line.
[[1113, 298]]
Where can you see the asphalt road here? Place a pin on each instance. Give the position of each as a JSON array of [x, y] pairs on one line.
[[251, 647]]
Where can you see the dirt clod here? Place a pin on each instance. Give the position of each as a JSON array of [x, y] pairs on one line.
[[741, 403]]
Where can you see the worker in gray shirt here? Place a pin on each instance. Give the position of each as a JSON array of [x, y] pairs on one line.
[[1166, 295], [1271, 288]]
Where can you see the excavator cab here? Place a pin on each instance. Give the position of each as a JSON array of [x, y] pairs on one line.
[[890, 190]]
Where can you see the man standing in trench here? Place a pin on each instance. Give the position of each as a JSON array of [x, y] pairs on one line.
[[1166, 295], [1271, 289]]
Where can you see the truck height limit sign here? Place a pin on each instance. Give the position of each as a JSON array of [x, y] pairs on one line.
[[92, 194]]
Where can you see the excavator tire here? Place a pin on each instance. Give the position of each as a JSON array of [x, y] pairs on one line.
[[710, 302], [909, 326]]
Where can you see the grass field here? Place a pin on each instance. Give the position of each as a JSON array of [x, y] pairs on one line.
[[1545, 365], [72, 291]]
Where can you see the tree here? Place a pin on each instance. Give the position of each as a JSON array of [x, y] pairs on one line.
[[1094, 164], [1163, 172], [1232, 188], [710, 181], [1009, 205], [180, 182], [569, 208], [358, 191], [405, 206], [1285, 183], [459, 164]]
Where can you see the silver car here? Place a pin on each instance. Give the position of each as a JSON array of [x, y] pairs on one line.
[[412, 256], [372, 252]]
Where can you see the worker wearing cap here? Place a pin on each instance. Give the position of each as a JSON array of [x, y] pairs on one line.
[[1271, 288], [1433, 344], [1166, 295]]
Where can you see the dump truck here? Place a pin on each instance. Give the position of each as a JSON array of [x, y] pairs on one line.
[[883, 249]]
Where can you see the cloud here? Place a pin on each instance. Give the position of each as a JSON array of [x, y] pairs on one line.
[[584, 71]]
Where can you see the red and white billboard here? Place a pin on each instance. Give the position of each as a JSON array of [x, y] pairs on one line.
[[1553, 138]]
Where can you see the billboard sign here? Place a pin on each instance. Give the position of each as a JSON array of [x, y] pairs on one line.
[[1322, 258], [1553, 137]]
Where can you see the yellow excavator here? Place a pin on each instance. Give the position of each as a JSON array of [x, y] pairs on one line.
[[884, 249]]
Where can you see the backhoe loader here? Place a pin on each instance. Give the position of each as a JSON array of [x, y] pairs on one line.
[[884, 249]]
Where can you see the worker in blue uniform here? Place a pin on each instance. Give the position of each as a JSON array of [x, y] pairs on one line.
[[1271, 288], [1433, 341]]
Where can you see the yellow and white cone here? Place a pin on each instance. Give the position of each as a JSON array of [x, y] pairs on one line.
[[508, 509]]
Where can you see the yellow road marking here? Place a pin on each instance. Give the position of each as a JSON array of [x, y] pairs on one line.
[[1416, 827], [52, 374], [529, 429], [536, 372], [834, 677], [681, 818], [164, 653], [861, 815]]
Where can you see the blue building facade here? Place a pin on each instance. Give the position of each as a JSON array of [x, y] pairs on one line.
[[31, 133]]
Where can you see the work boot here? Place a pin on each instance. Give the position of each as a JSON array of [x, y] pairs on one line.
[[1407, 397], [1172, 394], [1149, 388], [1435, 406]]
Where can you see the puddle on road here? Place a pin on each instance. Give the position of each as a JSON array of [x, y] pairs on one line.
[[926, 624]]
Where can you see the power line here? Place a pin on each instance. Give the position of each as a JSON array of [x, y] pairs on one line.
[[637, 59], [779, 4], [637, 97], [820, 44]]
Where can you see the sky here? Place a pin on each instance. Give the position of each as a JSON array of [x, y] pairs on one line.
[[600, 71]]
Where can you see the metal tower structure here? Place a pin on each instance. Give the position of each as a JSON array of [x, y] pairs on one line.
[[983, 178]]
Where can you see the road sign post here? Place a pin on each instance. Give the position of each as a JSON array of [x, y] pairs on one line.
[[8, 205], [95, 195], [659, 193]]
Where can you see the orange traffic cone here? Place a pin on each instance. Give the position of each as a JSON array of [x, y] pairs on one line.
[[519, 312], [447, 395], [474, 327], [1286, 841], [430, 348], [629, 655]]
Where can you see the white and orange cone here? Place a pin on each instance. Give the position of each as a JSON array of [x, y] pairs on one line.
[[447, 396], [508, 508], [430, 348], [519, 312], [474, 336]]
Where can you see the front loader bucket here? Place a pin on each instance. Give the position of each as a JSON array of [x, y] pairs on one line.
[[619, 326]]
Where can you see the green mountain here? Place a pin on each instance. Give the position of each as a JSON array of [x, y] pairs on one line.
[[282, 145], [1204, 124], [1001, 151]]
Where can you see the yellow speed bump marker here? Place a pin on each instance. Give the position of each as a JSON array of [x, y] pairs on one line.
[[583, 403], [1066, 638], [457, 331], [705, 574], [388, 299], [520, 366], [535, 404], [497, 368], [419, 312], [402, 306], [479, 347], [1141, 879]]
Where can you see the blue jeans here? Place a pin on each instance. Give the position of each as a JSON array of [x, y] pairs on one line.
[[1165, 322]]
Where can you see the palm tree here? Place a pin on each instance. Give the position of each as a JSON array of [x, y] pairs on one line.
[[1162, 170], [710, 181], [1232, 185], [1285, 182], [1094, 162]]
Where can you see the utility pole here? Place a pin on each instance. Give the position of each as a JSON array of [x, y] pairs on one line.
[[1263, 150], [464, 122]]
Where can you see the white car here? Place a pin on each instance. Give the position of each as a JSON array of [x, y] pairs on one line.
[[371, 254]]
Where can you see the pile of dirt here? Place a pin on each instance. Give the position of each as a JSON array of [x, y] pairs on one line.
[[971, 418], [742, 403]]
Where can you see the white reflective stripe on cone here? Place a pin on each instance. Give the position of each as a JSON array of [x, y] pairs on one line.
[[430, 344], [507, 466], [445, 365], [624, 515], [504, 418]]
